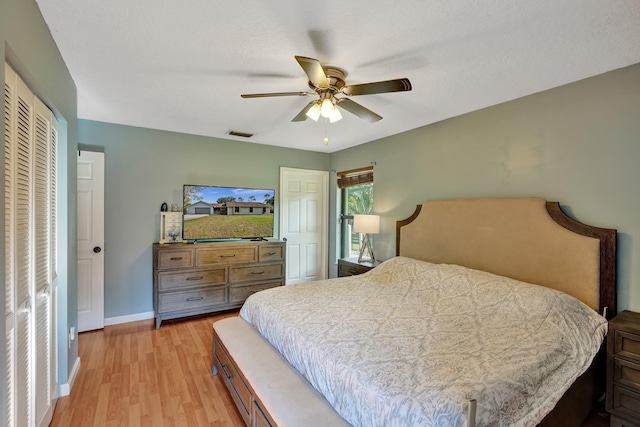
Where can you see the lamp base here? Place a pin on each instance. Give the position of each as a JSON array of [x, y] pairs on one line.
[[368, 248]]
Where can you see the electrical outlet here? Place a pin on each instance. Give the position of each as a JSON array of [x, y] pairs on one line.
[[71, 336]]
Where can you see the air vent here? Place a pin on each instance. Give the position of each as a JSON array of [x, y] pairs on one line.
[[242, 134]]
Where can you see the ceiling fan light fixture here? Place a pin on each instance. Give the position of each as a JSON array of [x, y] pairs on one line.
[[335, 115], [327, 82], [314, 112], [327, 108]]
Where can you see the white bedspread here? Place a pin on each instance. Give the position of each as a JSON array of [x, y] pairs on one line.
[[407, 343]]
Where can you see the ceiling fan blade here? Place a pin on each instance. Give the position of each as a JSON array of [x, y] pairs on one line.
[[302, 115], [313, 70], [267, 95], [358, 110], [396, 85]]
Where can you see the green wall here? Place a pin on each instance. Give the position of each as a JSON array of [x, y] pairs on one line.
[[145, 167], [26, 44], [578, 144]]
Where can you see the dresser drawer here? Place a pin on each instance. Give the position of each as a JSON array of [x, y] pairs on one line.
[[240, 394], [627, 345], [241, 293], [182, 279], [255, 272], [626, 373], [172, 258], [177, 301], [351, 266], [226, 255], [259, 418], [626, 402], [351, 270], [271, 253]]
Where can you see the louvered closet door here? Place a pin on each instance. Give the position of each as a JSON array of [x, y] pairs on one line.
[[23, 217], [10, 95], [53, 389], [29, 259], [42, 267]]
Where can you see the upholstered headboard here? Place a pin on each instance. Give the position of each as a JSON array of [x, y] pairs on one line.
[[527, 239]]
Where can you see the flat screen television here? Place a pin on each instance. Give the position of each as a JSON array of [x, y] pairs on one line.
[[216, 213]]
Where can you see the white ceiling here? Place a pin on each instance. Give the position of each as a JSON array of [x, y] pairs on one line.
[[182, 65]]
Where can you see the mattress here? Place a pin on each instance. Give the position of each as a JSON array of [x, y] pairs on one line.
[[409, 342]]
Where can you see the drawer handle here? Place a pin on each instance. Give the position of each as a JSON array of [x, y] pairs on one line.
[[194, 298], [195, 278], [176, 258], [258, 272], [227, 256], [271, 253], [226, 372]]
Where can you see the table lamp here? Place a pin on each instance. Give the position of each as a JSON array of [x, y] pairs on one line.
[[367, 225]]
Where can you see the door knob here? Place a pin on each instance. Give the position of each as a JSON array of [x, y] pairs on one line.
[[97, 249]]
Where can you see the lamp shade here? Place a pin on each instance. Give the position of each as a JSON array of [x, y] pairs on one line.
[[368, 224], [326, 108], [335, 115], [314, 112]]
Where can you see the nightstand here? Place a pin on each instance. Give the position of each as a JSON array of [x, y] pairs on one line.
[[351, 266], [623, 370]]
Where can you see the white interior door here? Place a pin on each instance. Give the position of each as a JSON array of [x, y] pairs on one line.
[[304, 205], [90, 241]]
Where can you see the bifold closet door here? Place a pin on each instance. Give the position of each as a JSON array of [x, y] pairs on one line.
[[29, 256], [43, 274]]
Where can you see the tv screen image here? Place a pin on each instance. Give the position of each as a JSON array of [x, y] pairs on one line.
[[212, 212]]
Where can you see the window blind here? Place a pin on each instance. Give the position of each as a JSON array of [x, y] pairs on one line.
[[354, 177]]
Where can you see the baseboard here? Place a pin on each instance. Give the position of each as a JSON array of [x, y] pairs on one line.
[[65, 389], [130, 318]]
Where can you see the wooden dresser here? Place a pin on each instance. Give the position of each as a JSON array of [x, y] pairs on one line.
[[351, 266], [623, 370], [191, 279]]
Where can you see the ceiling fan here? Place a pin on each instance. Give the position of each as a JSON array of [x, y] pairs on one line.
[[328, 83]]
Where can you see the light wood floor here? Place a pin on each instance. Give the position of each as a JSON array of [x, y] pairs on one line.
[[134, 375]]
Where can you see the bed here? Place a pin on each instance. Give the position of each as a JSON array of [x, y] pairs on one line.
[[452, 330]]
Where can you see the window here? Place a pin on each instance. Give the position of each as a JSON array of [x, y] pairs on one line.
[[250, 210], [357, 198]]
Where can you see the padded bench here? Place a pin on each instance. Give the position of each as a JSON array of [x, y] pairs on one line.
[[265, 388]]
